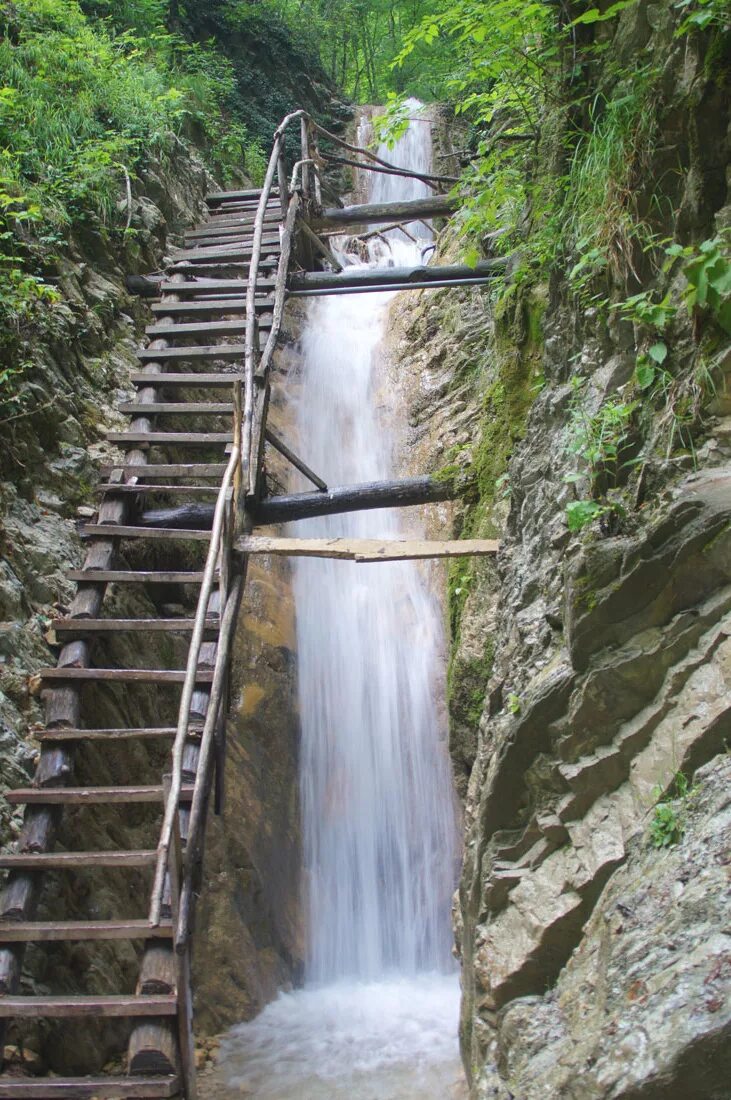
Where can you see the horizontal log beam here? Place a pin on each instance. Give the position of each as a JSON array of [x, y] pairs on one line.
[[353, 498], [390, 276], [368, 550], [369, 213]]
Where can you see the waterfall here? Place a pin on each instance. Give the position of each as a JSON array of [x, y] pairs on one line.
[[377, 804], [378, 1015]]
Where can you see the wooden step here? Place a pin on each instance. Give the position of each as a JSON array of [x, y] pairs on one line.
[[71, 733], [200, 379], [213, 470], [227, 254], [200, 351], [73, 930], [178, 439], [237, 227], [87, 1088], [210, 305], [155, 487], [63, 861], [118, 1005], [125, 675], [135, 576], [197, 286], [215, 198], [179, 408], [79, 628], [119, 531], [89, 796], [195, 328]]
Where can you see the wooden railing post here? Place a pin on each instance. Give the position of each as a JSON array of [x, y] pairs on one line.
[[305, 139]]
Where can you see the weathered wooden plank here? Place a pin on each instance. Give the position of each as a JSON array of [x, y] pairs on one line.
[[109, 1006], [156, 487], [180, 408], [72, 930], [94, 530], [124, 675], [88, 1088], [82, 627], [194, 439], [214, 470], [209, 351], [194, 379], [135, 576], [110, 734], [193, 328], [369, 550], [222, 305], [196, 286], [226, 254], [60, 861], [216, 198], [81, 796]]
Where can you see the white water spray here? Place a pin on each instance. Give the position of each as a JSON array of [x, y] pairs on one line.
[[378, 1015]]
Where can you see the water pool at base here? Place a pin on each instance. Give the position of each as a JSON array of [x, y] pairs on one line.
[[384, 1040]]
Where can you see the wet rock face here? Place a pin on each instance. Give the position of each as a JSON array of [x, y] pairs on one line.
[[643, 1008], [586, 672]]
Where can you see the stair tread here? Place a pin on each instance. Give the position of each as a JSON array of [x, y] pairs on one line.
[[73, 733], [188, 328], [211, 305], [88, 1088], [94, 626], [68, 930], [169, 437], [155, 487], [200, 351], [191, 378], [177, 408], [110, 1005], [141, 675], [134, 576], [168, 469], [142, 857], [81, 795], [115, 530]]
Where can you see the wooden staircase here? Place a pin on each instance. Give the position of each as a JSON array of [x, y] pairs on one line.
[[196, 438], [187, 379]]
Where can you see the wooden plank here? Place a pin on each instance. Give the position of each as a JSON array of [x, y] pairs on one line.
[[208, 351], [156, 487], [369, 550], [223, 255], [193, 328], [195, 286], [135, 576], [61, 861], [82, 627], [78, 930], [68, 733], [125, 675], [85, 1006], [113, 530], [179, 408], [213, 470], [215, 198], [210, 305], [194, 379], [194, 439], [82, 796], [88, 1088]]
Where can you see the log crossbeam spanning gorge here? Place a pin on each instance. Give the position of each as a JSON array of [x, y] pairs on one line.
[[228, 284]]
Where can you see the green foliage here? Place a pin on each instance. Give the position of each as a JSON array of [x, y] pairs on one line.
[[707, 270], [702, 14], [669, 816], [515, 705], [599, 442]]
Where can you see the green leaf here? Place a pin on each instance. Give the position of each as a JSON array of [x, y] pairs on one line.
[[658, 352], [581, 512], [645, 374]]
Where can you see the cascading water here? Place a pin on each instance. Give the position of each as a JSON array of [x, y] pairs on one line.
[[377, 1018]]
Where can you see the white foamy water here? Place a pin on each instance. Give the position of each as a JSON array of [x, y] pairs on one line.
[[378, 1017]]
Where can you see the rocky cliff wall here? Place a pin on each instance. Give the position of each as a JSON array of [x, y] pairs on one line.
[[589, 673]]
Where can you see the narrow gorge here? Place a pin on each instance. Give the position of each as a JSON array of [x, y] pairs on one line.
[[475, 820]]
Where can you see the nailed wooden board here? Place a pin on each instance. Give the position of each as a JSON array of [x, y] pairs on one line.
[[70, 733], [125, 675], [113, 530], [163, 1005], [212, 351], [79, 796], [81, 627], [59, 861], [135, 576], [72, 930], [369, 550], [214, 470], [193, 439], [179, 408], [88, 1088], [208, 305], [195, 379]]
